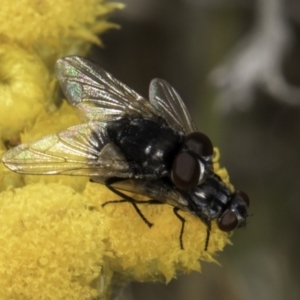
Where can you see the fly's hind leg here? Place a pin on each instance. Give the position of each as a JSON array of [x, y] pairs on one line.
[[126, 198]]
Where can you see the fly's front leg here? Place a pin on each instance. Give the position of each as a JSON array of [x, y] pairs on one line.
[[208, 229], [175, 210], [207, 235]]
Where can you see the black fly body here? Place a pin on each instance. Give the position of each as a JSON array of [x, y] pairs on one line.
[[131, 144]]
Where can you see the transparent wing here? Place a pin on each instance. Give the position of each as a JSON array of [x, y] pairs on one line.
[[80, 150], [170, 106], [96, 94]]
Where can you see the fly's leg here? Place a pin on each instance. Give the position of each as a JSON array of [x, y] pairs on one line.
[[208, 229], [182, 220], [175, 210], [207, 235], [134, 202], [108, 183]]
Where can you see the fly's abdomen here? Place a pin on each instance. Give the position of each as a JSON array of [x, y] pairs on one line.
[[149, 146]]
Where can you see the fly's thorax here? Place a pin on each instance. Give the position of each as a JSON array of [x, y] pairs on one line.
[[148, 144]]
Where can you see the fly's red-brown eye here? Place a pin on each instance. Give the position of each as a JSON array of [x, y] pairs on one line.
[[199, 143], [186, 171], [244, 197], [228, 221]]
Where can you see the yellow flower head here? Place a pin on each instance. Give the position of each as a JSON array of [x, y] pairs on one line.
[[64, 24], [24, 89]]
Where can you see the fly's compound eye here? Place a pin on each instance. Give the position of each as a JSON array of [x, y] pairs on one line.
[[199, 143], [244, 197], [228, 221], [187, 171], [235, 216]]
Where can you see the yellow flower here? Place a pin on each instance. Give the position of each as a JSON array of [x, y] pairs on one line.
[[25, 89], [65, 24], [58, 241]]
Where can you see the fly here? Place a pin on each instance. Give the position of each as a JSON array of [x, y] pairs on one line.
[[131, 144]]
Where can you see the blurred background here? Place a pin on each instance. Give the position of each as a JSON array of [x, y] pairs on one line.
[[236, 65]]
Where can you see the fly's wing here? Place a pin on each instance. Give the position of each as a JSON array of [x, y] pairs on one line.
[[80, 150], [96, 94], [170, 106], [155, 189]]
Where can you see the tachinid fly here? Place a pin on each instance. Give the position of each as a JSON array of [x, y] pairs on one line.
[[131, 144]]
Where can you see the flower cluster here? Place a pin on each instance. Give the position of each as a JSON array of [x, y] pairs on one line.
[[58, 241]]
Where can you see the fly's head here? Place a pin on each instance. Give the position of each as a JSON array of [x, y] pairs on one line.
[[235, 213], [213, 200]]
